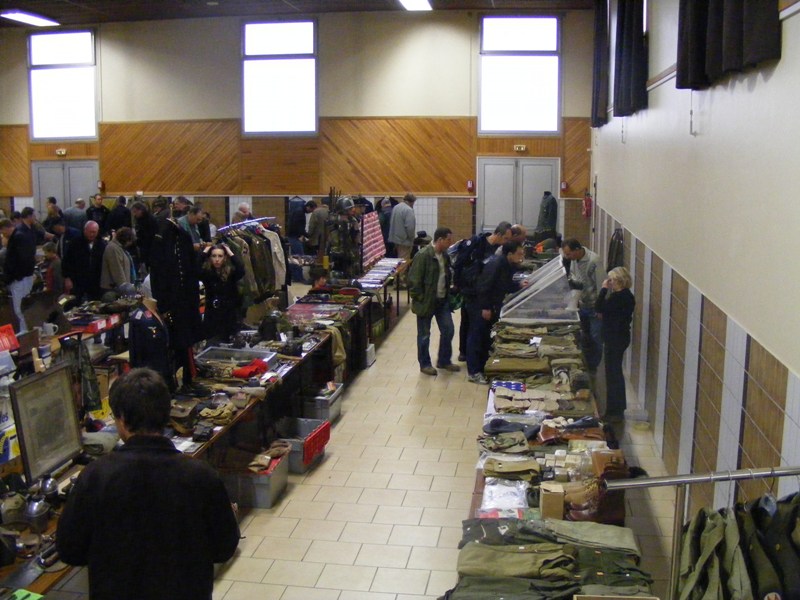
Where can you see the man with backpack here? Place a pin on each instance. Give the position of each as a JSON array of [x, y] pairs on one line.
[[469, 257]]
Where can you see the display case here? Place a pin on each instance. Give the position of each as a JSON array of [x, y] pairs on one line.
[[547, 297]]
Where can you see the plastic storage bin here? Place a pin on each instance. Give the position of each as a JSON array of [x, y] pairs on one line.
[[308, 441], [257, 490], [324, 407]]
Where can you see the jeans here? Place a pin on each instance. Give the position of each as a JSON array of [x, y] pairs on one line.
[[478, 340], [463, 332], [444, 320], [592, 341], [296, 246], [19, 289], [615, 380]]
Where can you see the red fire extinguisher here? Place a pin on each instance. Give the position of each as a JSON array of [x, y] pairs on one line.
[[586, 211]]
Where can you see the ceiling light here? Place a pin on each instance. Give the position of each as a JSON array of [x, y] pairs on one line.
[[416, 4], [28, 18]]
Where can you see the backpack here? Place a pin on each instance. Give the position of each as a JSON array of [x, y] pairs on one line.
[[466, 263]]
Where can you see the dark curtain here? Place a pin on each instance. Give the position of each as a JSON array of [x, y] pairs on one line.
[[600, 70], [630, 66], [718, 37]]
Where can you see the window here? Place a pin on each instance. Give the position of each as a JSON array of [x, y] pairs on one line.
[[62, 85], [280, 77], [520, 76]]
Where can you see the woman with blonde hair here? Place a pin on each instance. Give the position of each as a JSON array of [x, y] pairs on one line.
[[615, 304]]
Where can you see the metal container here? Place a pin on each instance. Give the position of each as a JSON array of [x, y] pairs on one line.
[[238, 356]]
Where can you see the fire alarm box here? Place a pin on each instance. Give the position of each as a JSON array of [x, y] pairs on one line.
[[470, 186]]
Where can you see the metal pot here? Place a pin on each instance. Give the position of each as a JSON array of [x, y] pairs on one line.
[[37, 513]]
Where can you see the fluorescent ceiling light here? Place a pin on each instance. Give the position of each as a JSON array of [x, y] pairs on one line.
[[28, 18], [416, 4]]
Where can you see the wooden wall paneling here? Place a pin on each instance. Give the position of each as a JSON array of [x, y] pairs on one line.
[[289, 166], [180, 157], [764, 413], [549, 146], [634, 255], [429, 156], [459, 215], [270, 207], [75, 150], [675, 371], [710, 385], [15, 162], [576, 156], [216, 206], [654, 336], [575, 224]]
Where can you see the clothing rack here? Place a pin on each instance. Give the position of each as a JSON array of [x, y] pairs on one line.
[[680, 482], [243, 223]]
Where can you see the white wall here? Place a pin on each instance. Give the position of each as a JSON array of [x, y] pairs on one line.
[[371, 65], [718, 206]]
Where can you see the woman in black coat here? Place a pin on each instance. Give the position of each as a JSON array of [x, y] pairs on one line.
[[615, 304], [220, 274]]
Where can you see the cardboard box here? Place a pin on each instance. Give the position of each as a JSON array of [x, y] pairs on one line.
[[551, 500]]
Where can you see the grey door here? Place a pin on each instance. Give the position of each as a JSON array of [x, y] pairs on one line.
[[511, 189], [66, 180]]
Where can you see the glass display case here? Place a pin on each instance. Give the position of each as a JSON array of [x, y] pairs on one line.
[[547, 298]]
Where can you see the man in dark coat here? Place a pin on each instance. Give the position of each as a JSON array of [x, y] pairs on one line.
[[20, 263], [98, 213], [149, 521], [65, 235], [120, 215], [145, 226], [83, 263], [174, 278]]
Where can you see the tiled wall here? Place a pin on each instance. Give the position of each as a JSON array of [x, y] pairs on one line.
[[716, 398]]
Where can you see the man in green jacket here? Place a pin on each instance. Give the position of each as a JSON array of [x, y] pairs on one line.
[[429, 285]]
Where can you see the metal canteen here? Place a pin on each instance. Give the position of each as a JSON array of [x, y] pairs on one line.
[[12, 509], [49, 488], [37, 513]]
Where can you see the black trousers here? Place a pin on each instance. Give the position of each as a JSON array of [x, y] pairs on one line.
[[615, 381]]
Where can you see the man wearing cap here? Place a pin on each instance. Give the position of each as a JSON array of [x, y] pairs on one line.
[[20, 263], [75, 216]]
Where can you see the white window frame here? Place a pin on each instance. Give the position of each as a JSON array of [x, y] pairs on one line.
[[254, 60], [57, 101], [515, 54]]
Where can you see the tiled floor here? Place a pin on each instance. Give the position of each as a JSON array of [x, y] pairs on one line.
[[379, 518]]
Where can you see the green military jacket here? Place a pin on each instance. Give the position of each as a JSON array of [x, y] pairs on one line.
[[423, 278]]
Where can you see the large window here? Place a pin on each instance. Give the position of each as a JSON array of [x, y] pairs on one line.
[[520, 83], [62, 85], [280, 77]]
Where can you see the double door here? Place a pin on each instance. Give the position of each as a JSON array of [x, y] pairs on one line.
[[66, 180], [511, 189]]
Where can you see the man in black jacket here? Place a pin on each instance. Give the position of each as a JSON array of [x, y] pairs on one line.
[[83, 263], [20, 263], [120, 215], [149, 521], [98, 213], [145, 226], [495, 282]]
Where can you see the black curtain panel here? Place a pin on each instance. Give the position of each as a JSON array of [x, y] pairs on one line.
[[600, 69], [630, 66], [718, 37]]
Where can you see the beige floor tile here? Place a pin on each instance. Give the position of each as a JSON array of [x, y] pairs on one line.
[[383, 452], [248, 545], [348, 511], [450, 537], [439, 442], [453, 484], [429, 467], [441, 581], [364, 465], [338, 494], [354, 595], [437, 411], [398, 515], [382, 497], [301, 509], [412, 535], [222, 587], [313, 529], [415, 597], [366, 533], [461, 501], [271, 526], [419, 454], [426, 499], [467, 455], [396, 428], [467, 469], [245, 569], [436, 559], [286, 572], [342, 450], [405, 441], [417, 419], [407, 581], [371, 439], [368, 480], [299, 491], [401, 481], [376, 555], [340, 553], [442, 517], [406, 467], [248, 591], [282, 548], [307, 593], [320, 478], [343, 577]]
